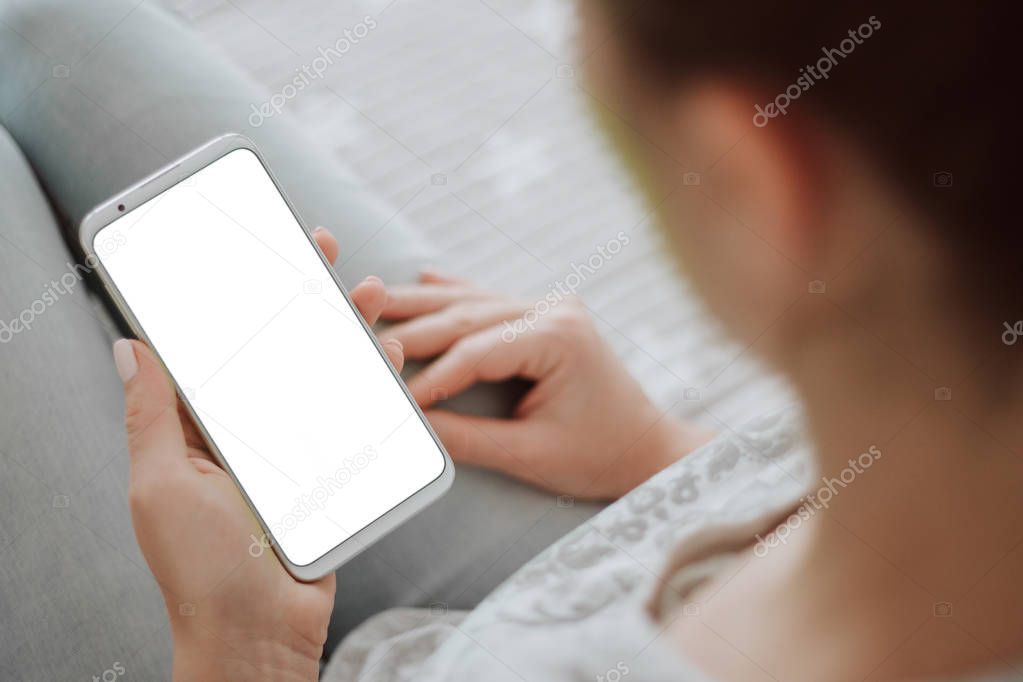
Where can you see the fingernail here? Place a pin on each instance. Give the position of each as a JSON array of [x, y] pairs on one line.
[[396, 342], [124, 359], [319, 229], [374, 278]]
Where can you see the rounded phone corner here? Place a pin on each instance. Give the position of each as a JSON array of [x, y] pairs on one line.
[[309, 573]]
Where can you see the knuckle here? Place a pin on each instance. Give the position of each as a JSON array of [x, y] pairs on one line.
[[571, 323], [148, 491], [477, 346], [141, 494], [459, 355], [134, 421], [462, 318]]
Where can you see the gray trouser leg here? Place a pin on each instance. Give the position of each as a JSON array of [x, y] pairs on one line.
[[97, 95], [76, 597]]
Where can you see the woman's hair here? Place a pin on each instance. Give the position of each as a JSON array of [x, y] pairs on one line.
[[920, 86]]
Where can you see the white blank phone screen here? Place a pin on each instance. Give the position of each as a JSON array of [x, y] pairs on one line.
[[303, 408]]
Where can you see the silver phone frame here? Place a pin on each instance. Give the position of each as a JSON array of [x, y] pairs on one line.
[[156, 184]]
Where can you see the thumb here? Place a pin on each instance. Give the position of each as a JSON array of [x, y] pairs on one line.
[[155, 438]]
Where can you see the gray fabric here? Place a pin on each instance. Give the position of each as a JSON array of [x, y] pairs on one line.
[[75, 595], [99, 94], [96, 95]]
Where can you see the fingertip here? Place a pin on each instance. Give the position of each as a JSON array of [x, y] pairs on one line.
[[143, 353], [414, 389], [133, 358], [395, 353], [145, 374], [152, 421], [374, 291], [449, 433], [430, 275], [327, 243], [421, 393], [370, 296], [125, 360], [436, 418]]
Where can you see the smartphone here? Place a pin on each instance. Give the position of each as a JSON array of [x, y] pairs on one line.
[[211, 266]]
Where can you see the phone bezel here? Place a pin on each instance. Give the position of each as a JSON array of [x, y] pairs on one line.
[[152, 186]]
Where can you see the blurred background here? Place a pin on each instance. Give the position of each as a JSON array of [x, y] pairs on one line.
[[471, 118]]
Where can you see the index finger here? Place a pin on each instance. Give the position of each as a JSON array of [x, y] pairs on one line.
[[411, 300], [484, 356]]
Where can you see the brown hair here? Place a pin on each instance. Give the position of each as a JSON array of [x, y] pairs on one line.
[[920, 86]]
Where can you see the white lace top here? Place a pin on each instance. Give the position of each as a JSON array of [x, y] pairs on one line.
[[580, 609]]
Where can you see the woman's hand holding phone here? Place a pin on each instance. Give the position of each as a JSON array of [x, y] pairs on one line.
[[585, 429], [235, 613]]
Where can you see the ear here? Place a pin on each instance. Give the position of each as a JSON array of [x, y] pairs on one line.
[[746, 229], [769, 177]]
